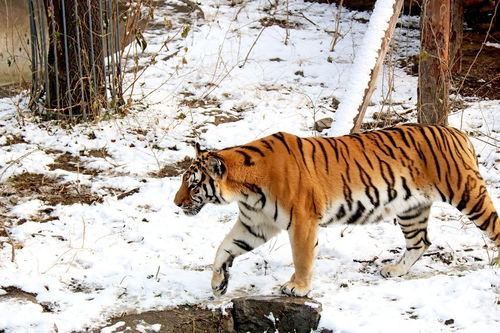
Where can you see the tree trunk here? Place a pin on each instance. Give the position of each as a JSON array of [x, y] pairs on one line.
[[457, 32], [76, 84], [434, 74]]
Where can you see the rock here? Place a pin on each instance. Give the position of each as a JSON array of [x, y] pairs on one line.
[[335, 103], [275, 313], [323, 124]]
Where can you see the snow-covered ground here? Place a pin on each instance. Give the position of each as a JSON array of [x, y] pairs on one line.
[[128, 254]]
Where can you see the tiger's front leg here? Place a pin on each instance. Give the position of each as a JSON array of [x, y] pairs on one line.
[[242, 238], [303, 239]]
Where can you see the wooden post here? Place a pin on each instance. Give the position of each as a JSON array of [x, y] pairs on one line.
[[358, 119], [434, 74]]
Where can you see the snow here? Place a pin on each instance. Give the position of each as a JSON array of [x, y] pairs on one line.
[[364, 63], [141, 253], [496, 45]]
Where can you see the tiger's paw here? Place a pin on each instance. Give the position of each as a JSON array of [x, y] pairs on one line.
[[294, 289], [220, 279], [389, 271]]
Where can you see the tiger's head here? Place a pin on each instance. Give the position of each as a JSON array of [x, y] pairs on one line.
[[201, 182]]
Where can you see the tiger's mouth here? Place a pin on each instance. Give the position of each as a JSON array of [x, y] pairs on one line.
[[192, 210]]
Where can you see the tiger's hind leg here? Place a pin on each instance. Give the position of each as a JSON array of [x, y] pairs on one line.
[[413, 223], [476, 203]]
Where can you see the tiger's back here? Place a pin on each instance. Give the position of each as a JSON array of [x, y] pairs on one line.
[[284, 182]]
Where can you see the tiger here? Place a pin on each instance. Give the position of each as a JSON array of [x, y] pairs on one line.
[[283, 182]]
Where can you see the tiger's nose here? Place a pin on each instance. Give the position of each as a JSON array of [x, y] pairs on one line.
[[178, 202]]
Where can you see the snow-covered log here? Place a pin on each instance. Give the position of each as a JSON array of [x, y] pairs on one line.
[[365, 68]]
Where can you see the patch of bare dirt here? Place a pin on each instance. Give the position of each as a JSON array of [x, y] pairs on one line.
[[386, 119], [173, 170], [193, 102], [483, 79], [69, 162], [98, 153], [13, 139], [51, 190], [282, 23], [183, 319]]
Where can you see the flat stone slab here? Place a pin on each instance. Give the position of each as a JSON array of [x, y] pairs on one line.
[[275, 313]]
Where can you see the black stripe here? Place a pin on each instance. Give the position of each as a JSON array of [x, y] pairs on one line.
[[280, 137], [254, 149], [368, 159], [402, 132], [413, 233], [341, 212], [313, 202], [299, 143], [443, 197], [412, 224], [381, 142], [450, 140], [334, 147], [267, 144], [324, 155], [359, 139], [371, 191], [406, 188], [388, 176], [290, 222], [348, 173], [248, 207], [388, 135], [417, 148], [250, 230], [257, 190], [242, 245], [245, 216], [411, 217], [248, 160], [477, 207], [347, 193], [432, 148], [346, 147], [357, 214], [275, 210], [313, 152], [478, 215]]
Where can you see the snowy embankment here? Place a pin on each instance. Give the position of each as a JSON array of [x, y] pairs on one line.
[[88, 262]]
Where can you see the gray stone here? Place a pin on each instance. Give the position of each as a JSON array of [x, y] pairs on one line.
[[323, 124], [275, 313]]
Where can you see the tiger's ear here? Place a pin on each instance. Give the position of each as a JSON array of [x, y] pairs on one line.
[[216, 167]]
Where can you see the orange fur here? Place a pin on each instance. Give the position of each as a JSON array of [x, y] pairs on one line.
[[283, 182]]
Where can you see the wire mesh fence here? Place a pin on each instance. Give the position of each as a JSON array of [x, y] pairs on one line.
[[75, 50]]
